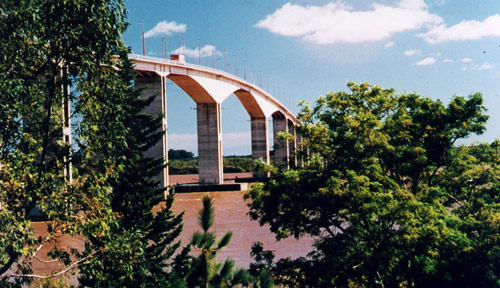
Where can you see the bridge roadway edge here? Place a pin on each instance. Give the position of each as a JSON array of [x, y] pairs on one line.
[[212, 86]]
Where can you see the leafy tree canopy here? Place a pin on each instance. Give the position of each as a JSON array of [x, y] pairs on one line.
[[179, 154], [70, 51], [388, 197]]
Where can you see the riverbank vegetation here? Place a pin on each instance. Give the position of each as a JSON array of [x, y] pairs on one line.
[[179, 164], [388, 195], [390, 198]]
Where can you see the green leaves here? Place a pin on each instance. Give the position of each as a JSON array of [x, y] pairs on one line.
[[53, 52], [387, 196]]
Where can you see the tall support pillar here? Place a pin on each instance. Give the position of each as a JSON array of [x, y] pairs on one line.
[[156, 85], [260, 142], [164, 128], [281, 147], [210, 161]]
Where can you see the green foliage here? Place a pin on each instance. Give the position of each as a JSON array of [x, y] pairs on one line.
[[57, 51], [179, 167], [60, 282], [46, 45], [388, 198], [179, 154], [232, 164], [205, 270], [237, 164]]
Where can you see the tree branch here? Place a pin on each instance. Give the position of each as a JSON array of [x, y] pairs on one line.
[[456, 200], [71, 267]]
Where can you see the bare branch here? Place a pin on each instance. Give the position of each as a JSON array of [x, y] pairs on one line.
[[71, 267], [456, 200]]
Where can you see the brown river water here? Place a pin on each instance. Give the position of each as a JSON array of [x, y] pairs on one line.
[[230, 215]]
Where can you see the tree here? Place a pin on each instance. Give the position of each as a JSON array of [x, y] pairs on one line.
[[205, 271], [56, 52], [139, 245], [389, 199], [179, 154]]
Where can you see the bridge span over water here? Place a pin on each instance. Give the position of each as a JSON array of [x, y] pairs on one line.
[[209, 87]]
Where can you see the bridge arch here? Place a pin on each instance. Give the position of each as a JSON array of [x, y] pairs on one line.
[[209, 88]]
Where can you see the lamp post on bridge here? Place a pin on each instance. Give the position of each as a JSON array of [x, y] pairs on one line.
[[213, 56], [143, 43], [183, 45], [235, 65], [199, 51], [165, 37], [225, 66]]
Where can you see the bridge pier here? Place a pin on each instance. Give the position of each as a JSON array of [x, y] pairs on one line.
[[156, 85], [210, 160], [260, 142], [281, 147]]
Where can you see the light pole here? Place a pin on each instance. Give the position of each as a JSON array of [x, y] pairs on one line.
[[143, 44], [213, 56], [199, 52], [245, 69], [235, 66], [183, 45], [165, 36], [253, 75], [225, 66]]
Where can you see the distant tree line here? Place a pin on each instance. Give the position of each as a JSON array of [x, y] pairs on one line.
[[183, 162], [174, 154]]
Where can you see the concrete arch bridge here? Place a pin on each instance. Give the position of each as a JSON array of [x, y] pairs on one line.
[[209, 87]]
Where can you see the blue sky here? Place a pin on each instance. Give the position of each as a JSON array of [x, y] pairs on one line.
[[306, 49]]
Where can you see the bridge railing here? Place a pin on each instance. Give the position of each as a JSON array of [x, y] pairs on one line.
[[209, 70], [190, 65]]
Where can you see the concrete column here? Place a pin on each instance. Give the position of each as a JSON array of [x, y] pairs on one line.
[[155, 85], [292, 144], [260, 143], [210, 143], [164, 127], [281, 147]]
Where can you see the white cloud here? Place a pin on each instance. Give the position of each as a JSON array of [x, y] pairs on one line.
[[484, 66], [165, 27], [188, 142], [427, 61], [466, 60], [463, 68], [412, 52], [465, 30], [389, 44], [337, 22], [447, 61], [205, 51]]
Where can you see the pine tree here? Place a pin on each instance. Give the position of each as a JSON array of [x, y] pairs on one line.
[[140, 243], [70, 51], [205, 270]]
